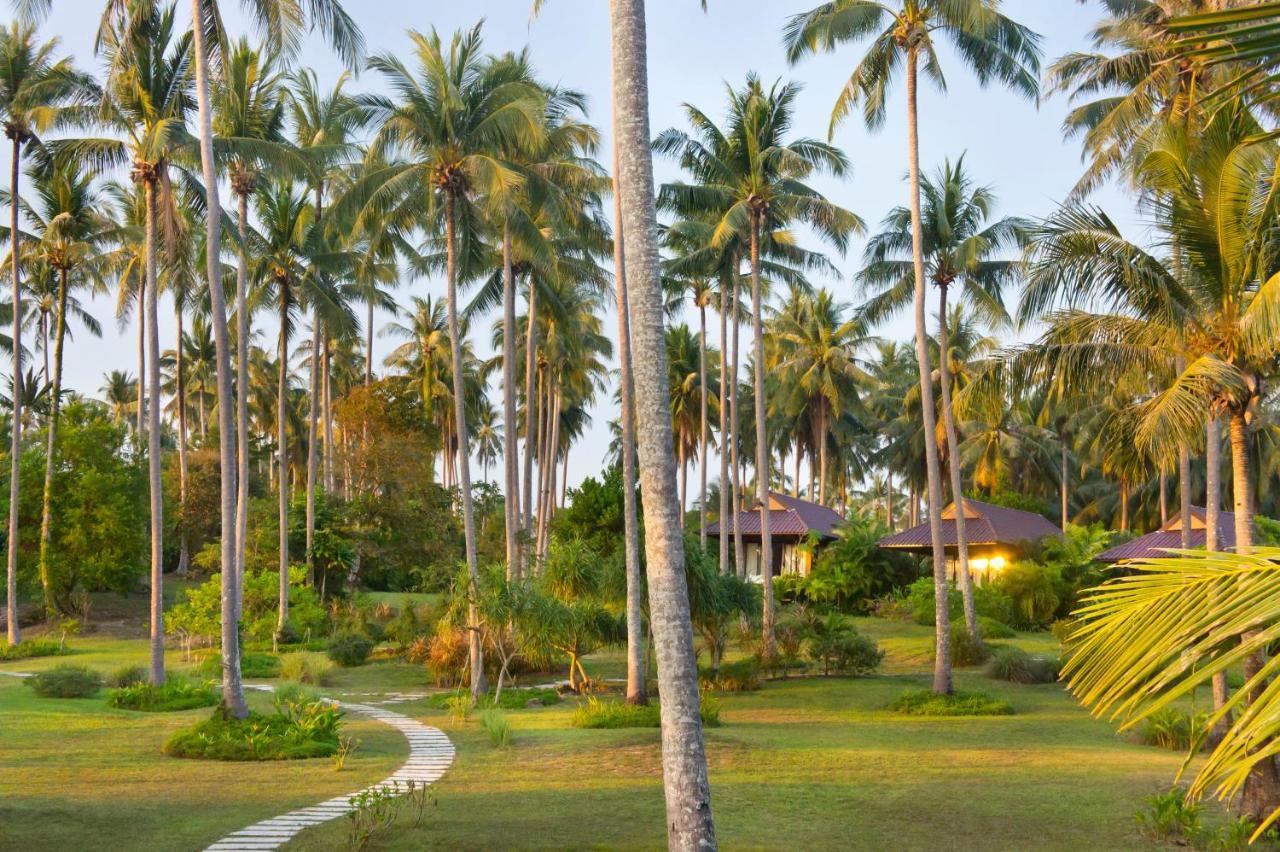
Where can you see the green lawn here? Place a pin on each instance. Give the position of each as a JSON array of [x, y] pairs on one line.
[[805, 763]]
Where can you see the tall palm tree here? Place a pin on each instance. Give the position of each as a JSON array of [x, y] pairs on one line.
[[457, 114], [756, 186], [35, 88], [120, 394], [904, 35], [688, 792], [963, 249], [249, 121], [72, 227]]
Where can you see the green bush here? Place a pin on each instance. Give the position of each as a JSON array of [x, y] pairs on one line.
[[1172, 728], [253, 664], [965, 651], [924, 702], [1062, 629], [65, 681], [594, 713], [31, 648], [1017, 666], [306, 667], [513, 698], [296, 730], [1032, 588], [200, 613], [173, 695], [987, 600], [853, 569], [498, 727], [1169, 817], [350, 649], [127, 676], [835, 645], [739, 676], [992, 629]]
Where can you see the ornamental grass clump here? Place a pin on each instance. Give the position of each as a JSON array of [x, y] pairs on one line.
[[306, 667], [31, 648], [174, 695], [924, 702], [66, 681], [594, 713], [1017, 666], [298, 729]]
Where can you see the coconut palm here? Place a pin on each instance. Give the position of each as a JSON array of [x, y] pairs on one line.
[[72, 227], [756, 186], [688, 792], [35, 91], [455, 117], [904, 35], [249, 121], [963, 248], [120, 394]]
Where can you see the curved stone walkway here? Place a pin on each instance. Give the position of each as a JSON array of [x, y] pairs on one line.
[[430, 754]]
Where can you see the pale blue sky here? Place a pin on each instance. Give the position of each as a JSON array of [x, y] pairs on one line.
[[1010, 144]]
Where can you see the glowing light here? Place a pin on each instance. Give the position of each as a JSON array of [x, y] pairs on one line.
[[997, 563]]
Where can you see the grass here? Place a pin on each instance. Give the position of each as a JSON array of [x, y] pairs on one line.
[[815, 763], [924, 702]]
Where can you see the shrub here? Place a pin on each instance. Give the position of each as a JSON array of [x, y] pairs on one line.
[[987, 600], [65, 682], [173, 695], [447, 656], [892, 605], [965, 651], [992, 629], [1032, 588], [1017, 666], [253, 664], [306, 667], [349, 649], [836, 645], [419, 650], [1172, 728], [594, 713], [296, 730], [1169, 816], [31, 648], [406, 629], [513, 698], [498, 727], [924, 702], [1062, 630], [127, 676], [739, 676]]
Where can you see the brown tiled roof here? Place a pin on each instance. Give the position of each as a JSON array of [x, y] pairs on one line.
[[1169, 537], [985, 523], [799, 518]]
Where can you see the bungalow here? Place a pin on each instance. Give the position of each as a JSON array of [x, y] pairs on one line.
[[1169, 536], [792, 524], [997, 535]]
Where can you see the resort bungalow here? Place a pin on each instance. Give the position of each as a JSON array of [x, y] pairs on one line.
[[792, 524], [996, 535], [1169, 536]]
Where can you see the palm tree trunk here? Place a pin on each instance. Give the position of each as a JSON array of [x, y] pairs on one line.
[[1164, 497], [682, 464], [478, 685], [282, 444], [1212, 504], [636, 688], [313, 416], [1184, 493], [511, 488], [232, 691], [822, 453], [702, 433], [553, 446], [184, 556], [770, 645], [531, 408], [51, 447], [724, 428], [564, 478], [953, 462], [330, 448], [44, 343], [368, 347], [739, 548], [1124, 505], [141, 428], [688, 791], [151, 322], [1063, 484], [942, 617], [242, 397]]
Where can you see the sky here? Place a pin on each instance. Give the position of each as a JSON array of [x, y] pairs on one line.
[[1011, 144]]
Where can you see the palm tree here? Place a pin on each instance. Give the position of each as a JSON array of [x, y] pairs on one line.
[[34, 90], [295, 265], [457, 115], [249, 120], [962, 248], [757, 187], [488, 438], [120, 394], [688, 792], [904, 35], [72, 229]]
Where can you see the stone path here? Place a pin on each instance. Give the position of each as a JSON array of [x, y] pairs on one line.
[[430, 754]]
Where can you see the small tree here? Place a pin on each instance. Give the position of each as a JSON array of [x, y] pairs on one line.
[[716, 601]]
